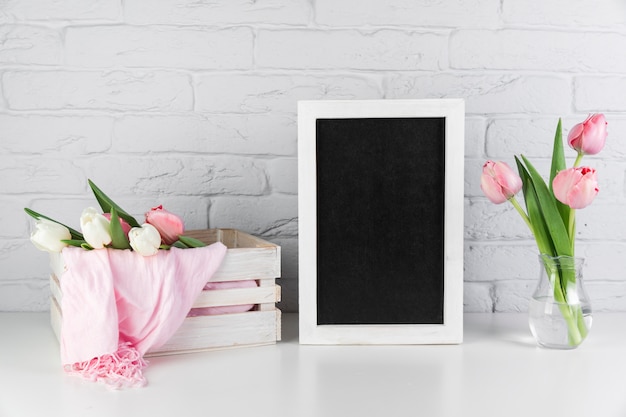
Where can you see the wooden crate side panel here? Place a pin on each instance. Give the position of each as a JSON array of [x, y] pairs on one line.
[[255, 328], [207, 236], [245, 240], [238, 296], [229, 238], [279, 325], [55, 288], [249, 263], [227, 330], [56, 318], [236, 239], [261, 260], [266, 293], [269, 305], [56, 263], [232, 238]]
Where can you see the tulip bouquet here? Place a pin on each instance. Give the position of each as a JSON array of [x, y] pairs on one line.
[[113, 228], [551, 208]]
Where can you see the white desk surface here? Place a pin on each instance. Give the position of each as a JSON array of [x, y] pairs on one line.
[[497, 371]]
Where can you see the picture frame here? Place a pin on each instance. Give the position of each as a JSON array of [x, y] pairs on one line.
[[380, 200]]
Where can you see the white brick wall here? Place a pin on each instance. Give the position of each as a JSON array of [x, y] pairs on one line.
[[190, 48], [193, 105]]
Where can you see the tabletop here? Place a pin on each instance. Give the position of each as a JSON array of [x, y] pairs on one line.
[[497, 371]]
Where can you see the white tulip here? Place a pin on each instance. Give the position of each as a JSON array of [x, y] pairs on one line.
[[95, 228], [47, 235], [145, 240]]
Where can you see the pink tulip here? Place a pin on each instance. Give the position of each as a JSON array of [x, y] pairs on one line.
[[125, 226], [499, 182], [169, 225], [576, 187], [589, 136]]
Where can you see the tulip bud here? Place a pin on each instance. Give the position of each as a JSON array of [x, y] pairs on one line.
[[145, 240], [169, 225], [589, 136], [576, 187], [48, 235], [95, 228], [499, 182]]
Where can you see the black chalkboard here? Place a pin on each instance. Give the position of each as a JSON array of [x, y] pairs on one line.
[[380, 220]]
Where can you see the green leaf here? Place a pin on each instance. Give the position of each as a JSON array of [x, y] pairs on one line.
[[86, 246], [539, 228], [75, 242], [558, 155], [547, 206], [191, 242], [107, 204], [180, 245], [74, 233], [118, 237], [558, 165]]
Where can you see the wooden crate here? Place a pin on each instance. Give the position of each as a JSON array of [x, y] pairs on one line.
[[247, 258]]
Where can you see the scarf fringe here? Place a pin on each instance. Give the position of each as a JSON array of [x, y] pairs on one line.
[[122, 369]]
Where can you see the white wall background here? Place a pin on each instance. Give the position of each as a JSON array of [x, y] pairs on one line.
[[192, 104]]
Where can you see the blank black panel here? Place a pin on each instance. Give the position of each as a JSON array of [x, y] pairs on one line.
[[380, 220]]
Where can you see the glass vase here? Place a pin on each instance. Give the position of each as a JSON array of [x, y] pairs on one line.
[[560, 311]]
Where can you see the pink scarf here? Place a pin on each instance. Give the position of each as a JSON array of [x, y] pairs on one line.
[[118, 304]]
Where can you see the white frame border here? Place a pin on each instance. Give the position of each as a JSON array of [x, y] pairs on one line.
[[451, 331]]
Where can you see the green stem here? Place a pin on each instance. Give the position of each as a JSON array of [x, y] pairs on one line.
[[571, 229], [522, 213], [579, 158], [572, 314], [582, 326], [578, 333]]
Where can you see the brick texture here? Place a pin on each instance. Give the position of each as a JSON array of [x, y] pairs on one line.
[[193, 105]]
